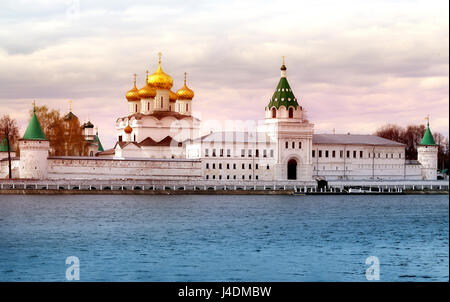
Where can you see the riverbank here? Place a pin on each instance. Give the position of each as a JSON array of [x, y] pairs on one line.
[[202, 192]]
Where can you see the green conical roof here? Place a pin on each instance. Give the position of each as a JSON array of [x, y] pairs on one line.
[[4, 146], [283, 95], [34, 130], [427, 138], [100, 147]]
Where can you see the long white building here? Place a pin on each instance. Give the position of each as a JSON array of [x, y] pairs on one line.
[[160, 139]]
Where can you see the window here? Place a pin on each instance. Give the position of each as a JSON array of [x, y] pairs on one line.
[[313, 153], [320, 153], [242, 153], [249, 177], [243, 166], [287, 145], [271, 153], [220, 176], [120, 138], [228, 176], [333, 153], [399, 155], [243, 176], [214, 176], [326, 153], [220, 166], [221, 152], [274, 113], [214, 166], [256, 176], [360, 154], [228, 166], [293, 145], [348, 154], [299, 145], [265, 153], [392, 155], [148, 106], [291, 112], [207, 165], [341, 153], [354, 154], [135, 108], [249, 166], [206, 152], [386, 155], [268, 167], [214, 152], [207, 176], [256, 166], [257, 152], [250, 153], [234, 176], [134, 138], [228, 152], [369, 154], [187, 107], [234, 166]]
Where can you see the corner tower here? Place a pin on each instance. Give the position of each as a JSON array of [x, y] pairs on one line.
[[34, 148], [427, 153]]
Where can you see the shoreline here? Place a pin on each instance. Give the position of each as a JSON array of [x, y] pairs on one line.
[[203, 192]]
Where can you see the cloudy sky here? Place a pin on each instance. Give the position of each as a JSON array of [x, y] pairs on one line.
[[354, 65]]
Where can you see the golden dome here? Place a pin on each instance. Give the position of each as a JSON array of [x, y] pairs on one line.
[[172, 96], [184, 93], [160, 79], [128, 129], [147, 91], [133, 94]]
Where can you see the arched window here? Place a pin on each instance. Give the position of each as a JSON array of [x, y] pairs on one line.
[[291, 112], [299, 145], [134, 138], [293, 145], [287, 145], [187, 107], [148, 106], [274, 113], [135, 108]]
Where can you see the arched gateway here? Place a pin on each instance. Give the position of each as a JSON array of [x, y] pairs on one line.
[[292, 169]]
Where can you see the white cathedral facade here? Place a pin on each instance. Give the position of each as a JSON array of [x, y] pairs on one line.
[[159, 138]]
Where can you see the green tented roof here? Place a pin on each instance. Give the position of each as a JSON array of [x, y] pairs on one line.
[[100, 147], [428, 138], [4, 146], [283, 96], [34, 130]]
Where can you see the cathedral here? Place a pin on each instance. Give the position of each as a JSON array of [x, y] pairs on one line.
[[159, 138]]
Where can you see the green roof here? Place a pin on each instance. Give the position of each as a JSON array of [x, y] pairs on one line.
[[283, 96], [428, 138], [4, 146], [69, 116], [34, 130], [100, 147]]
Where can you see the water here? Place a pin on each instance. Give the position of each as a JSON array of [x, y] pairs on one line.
[[224, 238]]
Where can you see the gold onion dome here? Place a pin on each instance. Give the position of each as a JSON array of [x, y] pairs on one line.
[[133, 94], [160, 79], [184, 93], [147, 92], [128, 129], [172, 96]]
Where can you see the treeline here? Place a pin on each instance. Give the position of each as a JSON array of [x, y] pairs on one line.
[[411, 137]]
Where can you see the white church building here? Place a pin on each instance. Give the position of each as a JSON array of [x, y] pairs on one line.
[[159, 138]]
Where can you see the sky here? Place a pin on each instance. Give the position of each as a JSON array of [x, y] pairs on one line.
[[353, 65]]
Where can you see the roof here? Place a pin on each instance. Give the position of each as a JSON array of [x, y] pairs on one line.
[[283, 95], [353, 139], [4, 146], [428, 139], [236, 137], [149, 142], [159, 115], [106, 152], [34, 130], [121, 159], [69, 116], [97, 139], [87, 125]]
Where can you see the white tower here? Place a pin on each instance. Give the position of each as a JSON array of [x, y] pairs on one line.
[[34, 148], [184, 99], [284, 124], [427, 153]]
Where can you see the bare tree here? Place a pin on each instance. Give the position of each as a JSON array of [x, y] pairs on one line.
[[9, 131]]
